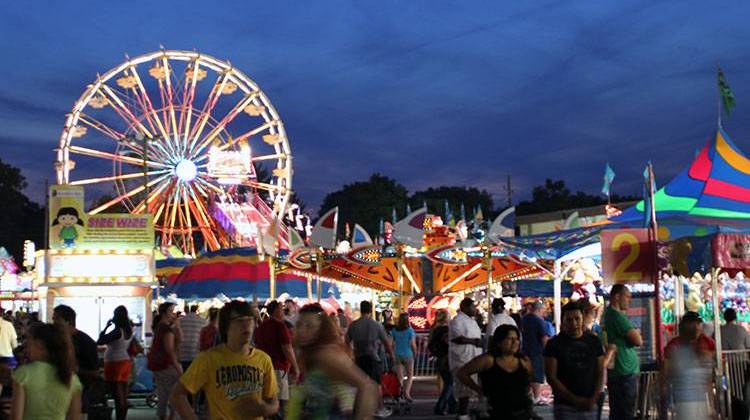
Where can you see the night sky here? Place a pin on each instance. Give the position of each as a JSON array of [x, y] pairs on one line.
[[428, 92]]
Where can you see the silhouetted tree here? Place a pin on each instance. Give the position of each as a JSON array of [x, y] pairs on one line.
[[20, 218], [554, 195], [366, 202]]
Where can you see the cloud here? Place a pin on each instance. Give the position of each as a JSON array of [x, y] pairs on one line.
[[429, 93]]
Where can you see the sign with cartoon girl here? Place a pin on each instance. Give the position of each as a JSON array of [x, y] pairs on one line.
[[66, 217]]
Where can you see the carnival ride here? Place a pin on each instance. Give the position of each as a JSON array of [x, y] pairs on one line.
[[186, 137]]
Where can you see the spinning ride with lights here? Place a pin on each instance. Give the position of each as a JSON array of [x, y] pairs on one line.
[[185, 137]]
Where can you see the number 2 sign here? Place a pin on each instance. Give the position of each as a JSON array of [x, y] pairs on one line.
[[627, 256]]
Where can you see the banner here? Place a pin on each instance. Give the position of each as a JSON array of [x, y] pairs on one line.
[[627, 256], [118, 231], [66, 216], [71, 228], [731, 250]]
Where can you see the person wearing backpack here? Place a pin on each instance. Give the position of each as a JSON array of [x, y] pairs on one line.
[[438, 347]]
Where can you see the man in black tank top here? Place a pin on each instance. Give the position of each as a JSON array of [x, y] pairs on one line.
[[574, 364]]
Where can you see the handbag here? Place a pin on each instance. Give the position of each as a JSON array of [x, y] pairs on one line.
[[135, 348]]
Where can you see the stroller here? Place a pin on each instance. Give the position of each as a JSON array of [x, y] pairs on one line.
[[393, 396]]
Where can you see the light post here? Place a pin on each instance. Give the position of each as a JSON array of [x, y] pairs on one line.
[[135, 141]]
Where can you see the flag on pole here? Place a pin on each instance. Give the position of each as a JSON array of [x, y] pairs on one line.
[[478, 215], [727, 97], [573, 221], [410, 230], [269, 238], [360, 237], [609, 176], [295, 240], [324, 231], [504, 225]]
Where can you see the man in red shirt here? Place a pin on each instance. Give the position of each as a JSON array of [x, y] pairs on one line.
[[274, 337], [691, 333]]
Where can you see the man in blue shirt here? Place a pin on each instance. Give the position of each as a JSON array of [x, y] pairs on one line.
[[535, 336]]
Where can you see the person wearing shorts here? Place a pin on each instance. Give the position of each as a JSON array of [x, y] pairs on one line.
[[117, 361], [404, 340], [535, 335], [275, 339], [365, 334], [464, 344]]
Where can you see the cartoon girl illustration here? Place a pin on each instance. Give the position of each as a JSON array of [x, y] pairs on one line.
[[68, 217]]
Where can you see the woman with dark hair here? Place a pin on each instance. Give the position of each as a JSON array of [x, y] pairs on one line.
[[504, 374], [329, 373], [404, 339], [117, 361], [162, 358], [47, 388], [438, 346]]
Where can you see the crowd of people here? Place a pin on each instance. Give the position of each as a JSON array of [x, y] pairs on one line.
[[522, 352], [304, 363]]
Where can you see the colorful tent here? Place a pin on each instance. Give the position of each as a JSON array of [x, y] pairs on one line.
[[236, 272], [170, 268], [714, 191]]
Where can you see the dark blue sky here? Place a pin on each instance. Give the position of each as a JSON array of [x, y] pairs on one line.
[[428, 92]]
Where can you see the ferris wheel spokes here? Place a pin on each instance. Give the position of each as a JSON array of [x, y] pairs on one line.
[[129, 194], [119, 177], [101, 127], [209, 104], [120, 108], [116, 157], [193, 151]]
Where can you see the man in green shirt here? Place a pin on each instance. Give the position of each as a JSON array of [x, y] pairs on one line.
[[622, 378]]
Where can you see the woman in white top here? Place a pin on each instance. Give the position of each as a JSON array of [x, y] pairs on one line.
[[117, 361]]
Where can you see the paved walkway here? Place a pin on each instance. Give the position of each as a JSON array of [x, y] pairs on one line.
[[424, 392]]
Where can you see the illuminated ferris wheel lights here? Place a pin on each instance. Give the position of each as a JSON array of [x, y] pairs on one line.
[[186, 170], [160, 137]]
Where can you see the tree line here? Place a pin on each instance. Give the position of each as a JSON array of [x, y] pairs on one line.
[[368, 202]]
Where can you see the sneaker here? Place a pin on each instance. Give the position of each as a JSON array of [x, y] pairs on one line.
[[383, 412]]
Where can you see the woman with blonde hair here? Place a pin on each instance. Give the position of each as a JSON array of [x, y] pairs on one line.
[[329, 372]]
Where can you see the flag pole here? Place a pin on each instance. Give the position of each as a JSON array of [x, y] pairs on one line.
[[718, 96], [318, 269], [488, 261], [653, 232]]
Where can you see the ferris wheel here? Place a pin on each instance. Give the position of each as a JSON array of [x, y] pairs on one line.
[[170, 132]]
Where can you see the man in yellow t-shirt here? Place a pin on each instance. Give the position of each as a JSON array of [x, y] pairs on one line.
[[239, 380]]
